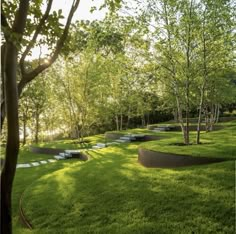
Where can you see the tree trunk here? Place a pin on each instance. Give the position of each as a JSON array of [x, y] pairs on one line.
[[128, 120], [175, 114], [199, 119], [212, 117], [218, 113], [24, 128], [3, 106], [143, 120], [121, 121], [180, 118], [12, 147], [117, 123], [187, 115], [206, 119], [36, 128]]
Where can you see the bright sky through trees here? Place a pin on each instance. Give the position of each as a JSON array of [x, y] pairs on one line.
[[83, 13]]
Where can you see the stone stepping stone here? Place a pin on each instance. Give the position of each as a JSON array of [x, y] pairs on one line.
[[101, 145], [43, 162], [97, 147], [23, 165], [125, 138], [113, 143], [58, 157], [52, 160], [122, 141], [128, 137], [71, 151], [35, 164]]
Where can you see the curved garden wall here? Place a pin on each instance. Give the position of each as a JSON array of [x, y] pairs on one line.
[[150, 158]]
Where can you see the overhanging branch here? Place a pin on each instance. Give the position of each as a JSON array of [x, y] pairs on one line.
[[27, 77], [34, 38]]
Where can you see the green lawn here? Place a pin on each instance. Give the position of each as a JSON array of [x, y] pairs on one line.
[[72, 144], [113, 193], [217, 144]]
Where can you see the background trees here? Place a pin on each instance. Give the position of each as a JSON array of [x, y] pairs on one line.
[[192, 47]]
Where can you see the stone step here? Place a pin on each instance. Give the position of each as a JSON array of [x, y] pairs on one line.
[[97, 147], [51, 160], [23, 165], [72, 151], [101, 145], [58, 157], [113, 143], [35, 164], [43, 162], [122, 141]]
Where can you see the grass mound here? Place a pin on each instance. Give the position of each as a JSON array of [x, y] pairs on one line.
[[218, 144], [112, 194]]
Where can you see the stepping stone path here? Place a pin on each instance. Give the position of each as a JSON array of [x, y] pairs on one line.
[[23, 165], [70, 153], [35, 164]]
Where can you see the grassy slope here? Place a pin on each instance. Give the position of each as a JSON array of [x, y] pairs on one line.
[[218, 144], [71, 144], [112, 193]]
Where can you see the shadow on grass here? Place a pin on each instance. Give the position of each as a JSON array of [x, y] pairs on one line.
[[112, 193]]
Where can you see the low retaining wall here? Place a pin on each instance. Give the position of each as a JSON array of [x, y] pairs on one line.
[[42, 150], [152, 138], [150, 158], [82, 156]]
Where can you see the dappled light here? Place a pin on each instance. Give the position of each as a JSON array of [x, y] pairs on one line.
[[118, 117]]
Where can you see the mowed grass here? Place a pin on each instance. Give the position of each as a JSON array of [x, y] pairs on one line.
[[113, 193], [217, 144], [73, 144]]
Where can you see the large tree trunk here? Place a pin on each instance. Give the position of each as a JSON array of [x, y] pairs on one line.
[[12, 147], [24, 128], [3, 106], [11, 103]]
